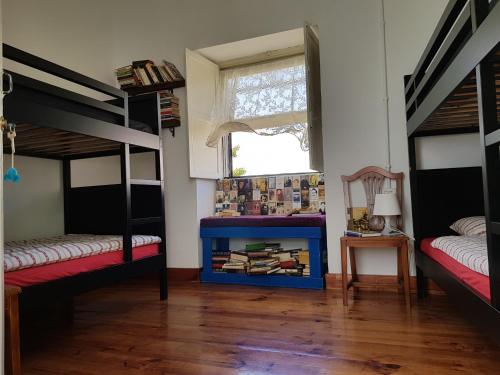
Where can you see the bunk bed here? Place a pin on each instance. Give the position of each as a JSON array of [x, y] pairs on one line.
[[56, 123], [455, 89]]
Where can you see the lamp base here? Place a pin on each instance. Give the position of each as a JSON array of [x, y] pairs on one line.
[[387, 227]]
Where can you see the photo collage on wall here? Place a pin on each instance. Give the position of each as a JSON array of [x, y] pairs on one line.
[[271, 195]]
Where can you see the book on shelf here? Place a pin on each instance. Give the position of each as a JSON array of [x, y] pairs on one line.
[[268, 246], [239, 256], [355, 233], [146, 73]]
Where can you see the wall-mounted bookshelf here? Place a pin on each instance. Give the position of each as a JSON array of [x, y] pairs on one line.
[[165, 86]]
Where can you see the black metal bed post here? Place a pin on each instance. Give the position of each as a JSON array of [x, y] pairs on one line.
[[412, 158], [127, 191], [66, 170], [487, 108], [162, 230], [412, 153]]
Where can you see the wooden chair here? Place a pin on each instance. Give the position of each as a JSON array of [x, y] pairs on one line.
[[373, 180]]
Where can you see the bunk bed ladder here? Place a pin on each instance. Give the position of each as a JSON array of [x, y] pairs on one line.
[[490, 143], [150, 114]]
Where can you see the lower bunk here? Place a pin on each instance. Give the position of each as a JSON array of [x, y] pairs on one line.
[[68, 265], [41, 271], [457, 274]]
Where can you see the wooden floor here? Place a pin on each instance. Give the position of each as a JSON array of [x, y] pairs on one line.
[[211, 329]]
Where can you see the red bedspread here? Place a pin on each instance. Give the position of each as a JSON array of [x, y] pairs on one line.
[[478, 282], [49, 272]]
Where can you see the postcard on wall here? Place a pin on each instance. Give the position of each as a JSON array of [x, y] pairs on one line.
[[313, 194], [280, 209], [288, 206], [256, 195], [234, 184], [313, 180], [272, 195], [296, 200], [280, 182], [321, 192], [296, 183], [262, 184], [288, 194], [280, 197], [271, 182], [219, 197], [288, 181], [304, 196], [272, 208], [264, 209], [233, 196], [264, 198]]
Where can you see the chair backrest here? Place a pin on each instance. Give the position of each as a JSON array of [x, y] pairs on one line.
[[373, 179]]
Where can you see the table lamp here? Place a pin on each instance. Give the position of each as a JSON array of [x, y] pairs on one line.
[[386, 205]]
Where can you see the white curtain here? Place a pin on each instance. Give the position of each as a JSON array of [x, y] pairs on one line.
[[267, 98]]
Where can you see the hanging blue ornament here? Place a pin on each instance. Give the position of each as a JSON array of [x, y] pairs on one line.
[[12, 175]]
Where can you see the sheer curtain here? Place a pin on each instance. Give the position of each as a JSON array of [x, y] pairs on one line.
[[267, 98]]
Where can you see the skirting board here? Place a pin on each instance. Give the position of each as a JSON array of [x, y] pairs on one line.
[[183, 274], [334, 281]]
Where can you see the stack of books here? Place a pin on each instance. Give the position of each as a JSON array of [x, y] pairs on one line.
[[263, 259], [303, 259], [219, 258], [147, 73], [356, 233], [127, 77], [169, 108]]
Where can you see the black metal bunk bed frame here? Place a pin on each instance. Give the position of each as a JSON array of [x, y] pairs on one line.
[[455, 89], [56, 123]]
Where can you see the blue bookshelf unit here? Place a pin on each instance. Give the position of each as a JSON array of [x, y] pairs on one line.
[[216, 238]]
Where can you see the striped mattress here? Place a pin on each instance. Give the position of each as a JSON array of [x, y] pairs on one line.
[[471, 251], [38, 252]]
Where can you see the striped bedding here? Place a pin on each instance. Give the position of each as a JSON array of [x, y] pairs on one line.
[[38, 252], [471, 251]]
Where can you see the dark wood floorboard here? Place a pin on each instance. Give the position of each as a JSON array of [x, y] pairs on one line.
[[212, 329]]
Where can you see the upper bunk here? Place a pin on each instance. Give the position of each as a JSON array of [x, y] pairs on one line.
[[57, 123], [442, 93]]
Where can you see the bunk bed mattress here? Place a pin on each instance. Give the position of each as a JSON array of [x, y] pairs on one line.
[[53, 271], [38, 252], [477, 281]]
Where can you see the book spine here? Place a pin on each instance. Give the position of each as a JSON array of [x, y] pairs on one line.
[[150, 70]]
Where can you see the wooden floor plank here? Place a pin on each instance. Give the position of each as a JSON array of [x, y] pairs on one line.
[[213, 329]]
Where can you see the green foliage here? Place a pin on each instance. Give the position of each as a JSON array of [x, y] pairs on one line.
[[234, 151], [238, 172]]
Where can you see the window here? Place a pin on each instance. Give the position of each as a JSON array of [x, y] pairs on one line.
[[268, 101], [271, 109]]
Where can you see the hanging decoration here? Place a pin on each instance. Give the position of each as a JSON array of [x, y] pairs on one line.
[[12, 174]]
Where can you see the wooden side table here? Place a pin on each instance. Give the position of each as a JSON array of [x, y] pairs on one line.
[[398, 242], [12, 339]]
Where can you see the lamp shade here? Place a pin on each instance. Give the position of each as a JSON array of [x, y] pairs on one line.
[[386, 204]]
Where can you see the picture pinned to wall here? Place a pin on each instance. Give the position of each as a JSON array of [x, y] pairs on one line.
[[271, 195]]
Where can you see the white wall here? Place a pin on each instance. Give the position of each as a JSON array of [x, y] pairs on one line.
[[448, 151], [95, 38], [34, 207]]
